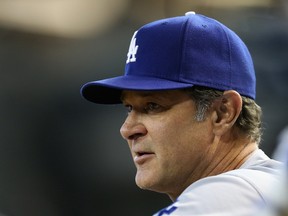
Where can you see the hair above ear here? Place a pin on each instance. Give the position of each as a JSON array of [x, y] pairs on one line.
[[249, 120]]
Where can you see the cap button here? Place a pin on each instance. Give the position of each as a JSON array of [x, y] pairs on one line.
[[190, 13]]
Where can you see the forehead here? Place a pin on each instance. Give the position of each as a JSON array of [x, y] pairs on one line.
[[174, 95]]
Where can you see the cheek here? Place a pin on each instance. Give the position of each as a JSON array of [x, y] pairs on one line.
[[171, 133], [181, 136]]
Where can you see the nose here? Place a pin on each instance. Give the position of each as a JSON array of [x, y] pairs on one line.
[[133, 128]]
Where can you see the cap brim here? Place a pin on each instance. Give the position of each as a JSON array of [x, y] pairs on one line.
[[108, 91]]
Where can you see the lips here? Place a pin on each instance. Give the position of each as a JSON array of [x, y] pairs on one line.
[[142, 156], [142, 153]]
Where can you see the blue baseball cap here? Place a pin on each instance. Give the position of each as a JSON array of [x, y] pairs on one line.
[[180, 52]]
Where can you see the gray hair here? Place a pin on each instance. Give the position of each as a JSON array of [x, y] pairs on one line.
[[249, 120]]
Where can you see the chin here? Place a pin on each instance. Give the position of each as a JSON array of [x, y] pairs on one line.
[[147, 181], [144, 180]]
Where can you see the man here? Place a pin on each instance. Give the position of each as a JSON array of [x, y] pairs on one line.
[[193, 126]]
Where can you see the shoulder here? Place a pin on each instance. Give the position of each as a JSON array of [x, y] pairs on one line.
[[225, 189], [217, 195], [251, 183], [242, 192]]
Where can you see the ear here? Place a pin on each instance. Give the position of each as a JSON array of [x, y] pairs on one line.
[[226, 111]]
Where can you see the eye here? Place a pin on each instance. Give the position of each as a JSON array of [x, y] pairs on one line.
[[128, 108], [152, 107]]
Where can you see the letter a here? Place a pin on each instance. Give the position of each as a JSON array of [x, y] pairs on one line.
[[131, 55]]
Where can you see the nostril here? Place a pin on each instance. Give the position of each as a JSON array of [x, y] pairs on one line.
[[135, 136]]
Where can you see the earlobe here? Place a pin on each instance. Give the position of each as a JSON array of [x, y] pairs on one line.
[[226, 111]]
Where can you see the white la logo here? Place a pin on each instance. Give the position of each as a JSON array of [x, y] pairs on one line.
[[131, 55]]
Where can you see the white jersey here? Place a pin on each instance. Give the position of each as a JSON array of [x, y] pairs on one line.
[[241, 192]]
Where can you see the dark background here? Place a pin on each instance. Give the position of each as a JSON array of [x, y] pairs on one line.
[[61, 155]]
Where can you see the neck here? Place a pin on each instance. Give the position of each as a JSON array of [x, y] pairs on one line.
[[224, 157], [231, 159], [221, 158]]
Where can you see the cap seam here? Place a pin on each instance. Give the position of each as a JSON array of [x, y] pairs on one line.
[[230, 58], [182, 48]]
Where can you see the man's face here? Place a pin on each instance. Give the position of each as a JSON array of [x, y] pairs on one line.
[[168, 145]]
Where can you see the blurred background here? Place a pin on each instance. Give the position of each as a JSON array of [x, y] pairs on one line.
[[61, 155]]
